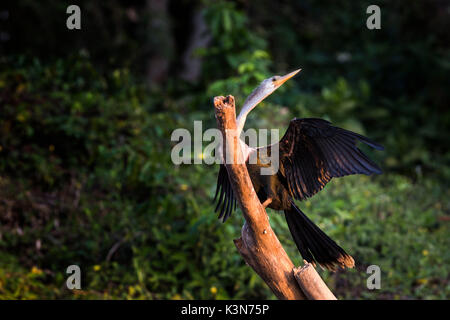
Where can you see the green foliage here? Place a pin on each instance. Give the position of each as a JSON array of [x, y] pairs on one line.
[[393, 223], [107, 197], [241, 54], [81, 164], [86, 176]]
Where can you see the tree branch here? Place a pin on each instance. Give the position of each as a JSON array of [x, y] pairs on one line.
[[311, 283], [258, 245]]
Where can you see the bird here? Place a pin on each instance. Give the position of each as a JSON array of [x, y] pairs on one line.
[[311, 153]]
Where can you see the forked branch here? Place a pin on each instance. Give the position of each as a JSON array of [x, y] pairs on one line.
[[258, 245]]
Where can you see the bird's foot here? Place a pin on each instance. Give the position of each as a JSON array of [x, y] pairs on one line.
[[267, 202]]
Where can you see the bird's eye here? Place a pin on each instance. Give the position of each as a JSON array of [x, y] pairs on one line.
[[273, 79]]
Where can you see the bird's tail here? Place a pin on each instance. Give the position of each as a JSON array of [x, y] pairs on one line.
[[313, 244]]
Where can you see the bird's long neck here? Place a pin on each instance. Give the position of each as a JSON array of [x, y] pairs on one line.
[[240, 122], [251, 102]]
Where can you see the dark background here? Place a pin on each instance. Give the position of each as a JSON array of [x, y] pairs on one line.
[[86, 118]]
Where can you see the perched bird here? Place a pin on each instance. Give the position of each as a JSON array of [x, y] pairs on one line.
[[311, 153]]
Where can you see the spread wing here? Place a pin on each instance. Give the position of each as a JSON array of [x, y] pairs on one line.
[[226, 202], [312, 152]]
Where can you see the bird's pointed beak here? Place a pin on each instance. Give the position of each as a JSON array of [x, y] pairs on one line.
[[285, 78]]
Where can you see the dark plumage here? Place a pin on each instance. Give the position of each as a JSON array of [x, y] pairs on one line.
[[311, 153]]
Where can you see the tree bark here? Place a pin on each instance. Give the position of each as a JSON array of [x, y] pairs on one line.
[[312, 284], [258, 245]]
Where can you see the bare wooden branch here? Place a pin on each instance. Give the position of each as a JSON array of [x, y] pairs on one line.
[[258, 245], [312, 284]]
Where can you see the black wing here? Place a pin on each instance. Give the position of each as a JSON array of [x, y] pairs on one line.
[[226, 202], [312, 151]]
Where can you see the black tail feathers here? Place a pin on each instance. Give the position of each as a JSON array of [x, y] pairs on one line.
[[313, 244]]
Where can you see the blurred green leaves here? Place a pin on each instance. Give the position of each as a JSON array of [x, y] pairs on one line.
[[238, 57], [92, 180], [86, 176]]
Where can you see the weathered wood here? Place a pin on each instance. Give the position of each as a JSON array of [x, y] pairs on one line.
[[258, 245], [312, 284]]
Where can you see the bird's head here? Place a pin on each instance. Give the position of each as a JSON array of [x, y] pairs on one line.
[[271, 84], [267, 87]]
